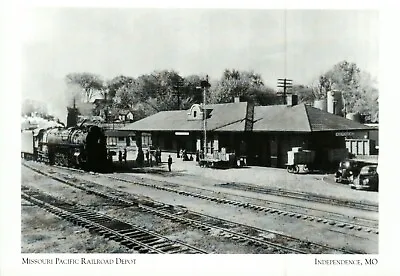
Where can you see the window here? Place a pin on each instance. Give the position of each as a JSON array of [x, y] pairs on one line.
[[194, 114], [111, 141], [121, 139]]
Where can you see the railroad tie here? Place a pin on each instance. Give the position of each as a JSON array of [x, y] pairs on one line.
[[137, 236], [181, 250], [149, 239], [158, 241]]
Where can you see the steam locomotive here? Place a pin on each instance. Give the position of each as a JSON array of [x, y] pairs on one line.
[[82, 147]]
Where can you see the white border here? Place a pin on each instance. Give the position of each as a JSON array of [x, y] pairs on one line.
[[200, 265]]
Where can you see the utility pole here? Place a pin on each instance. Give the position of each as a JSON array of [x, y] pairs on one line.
[[106, 107], [286, 84], [205, 85], [177, 87]]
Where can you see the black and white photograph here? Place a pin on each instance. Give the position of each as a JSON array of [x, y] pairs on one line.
[[199, 131]]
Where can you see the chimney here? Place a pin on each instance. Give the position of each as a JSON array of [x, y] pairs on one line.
[[249, 117], [236, 100], [291, 100]]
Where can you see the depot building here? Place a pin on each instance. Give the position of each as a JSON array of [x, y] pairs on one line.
[[261, 134]]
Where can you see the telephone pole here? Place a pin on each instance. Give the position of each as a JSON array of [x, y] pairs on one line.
[[177, 87], [286, 84], [205, 85]]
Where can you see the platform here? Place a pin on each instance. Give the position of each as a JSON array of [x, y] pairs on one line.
[[189, 171]]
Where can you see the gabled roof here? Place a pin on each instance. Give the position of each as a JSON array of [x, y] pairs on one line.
[[222, 117], [232, 117], [300, 118], [281, 118]]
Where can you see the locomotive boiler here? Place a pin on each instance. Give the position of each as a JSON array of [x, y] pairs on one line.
[[81, 147]]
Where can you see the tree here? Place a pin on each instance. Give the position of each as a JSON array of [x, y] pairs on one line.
[[306, 94], [116, 83], [125, 96], [245, 84], [359, 90], [191, 91], [89, 83]]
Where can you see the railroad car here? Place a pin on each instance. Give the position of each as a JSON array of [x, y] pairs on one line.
[[81, 147], [27, 144]]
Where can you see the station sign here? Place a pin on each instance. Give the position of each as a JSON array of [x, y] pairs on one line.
[[344, 134], [181, 133]]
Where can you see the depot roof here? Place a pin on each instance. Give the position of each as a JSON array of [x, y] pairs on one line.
[[231, 117], [300, 118], [221, 117]]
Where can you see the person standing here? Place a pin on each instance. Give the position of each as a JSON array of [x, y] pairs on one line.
[[125, 155], [147, 156], [109, 157], [120, 157], [169, 162]]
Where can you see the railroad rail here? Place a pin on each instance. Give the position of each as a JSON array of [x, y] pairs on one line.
[[259, 208], [367, 227], [243, 233], [127, 234], [285, 193], [301, 195]]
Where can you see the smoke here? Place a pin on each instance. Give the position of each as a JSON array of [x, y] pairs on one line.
[[75, 93], [35, 121], [51, 96]]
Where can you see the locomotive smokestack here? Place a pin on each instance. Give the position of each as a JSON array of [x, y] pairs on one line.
[[72, 117]]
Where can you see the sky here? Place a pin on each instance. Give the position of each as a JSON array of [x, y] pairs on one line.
[[297, 44]]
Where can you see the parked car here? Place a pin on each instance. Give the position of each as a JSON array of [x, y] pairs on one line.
[[368, 179], [348, 171]]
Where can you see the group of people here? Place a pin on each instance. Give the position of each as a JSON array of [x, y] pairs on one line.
[[183, 154], [150, 156], [156, 155]]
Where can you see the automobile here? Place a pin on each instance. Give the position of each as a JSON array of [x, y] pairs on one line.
[[348, 171], [368, 179]]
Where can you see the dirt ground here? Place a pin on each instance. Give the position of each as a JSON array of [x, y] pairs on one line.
[[264, 176], [305, 230], [43, 232]]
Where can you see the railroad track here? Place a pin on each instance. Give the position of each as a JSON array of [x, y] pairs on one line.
[[368, 225], [300, 195], [284, 193], [127, 234], [241, 233]]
